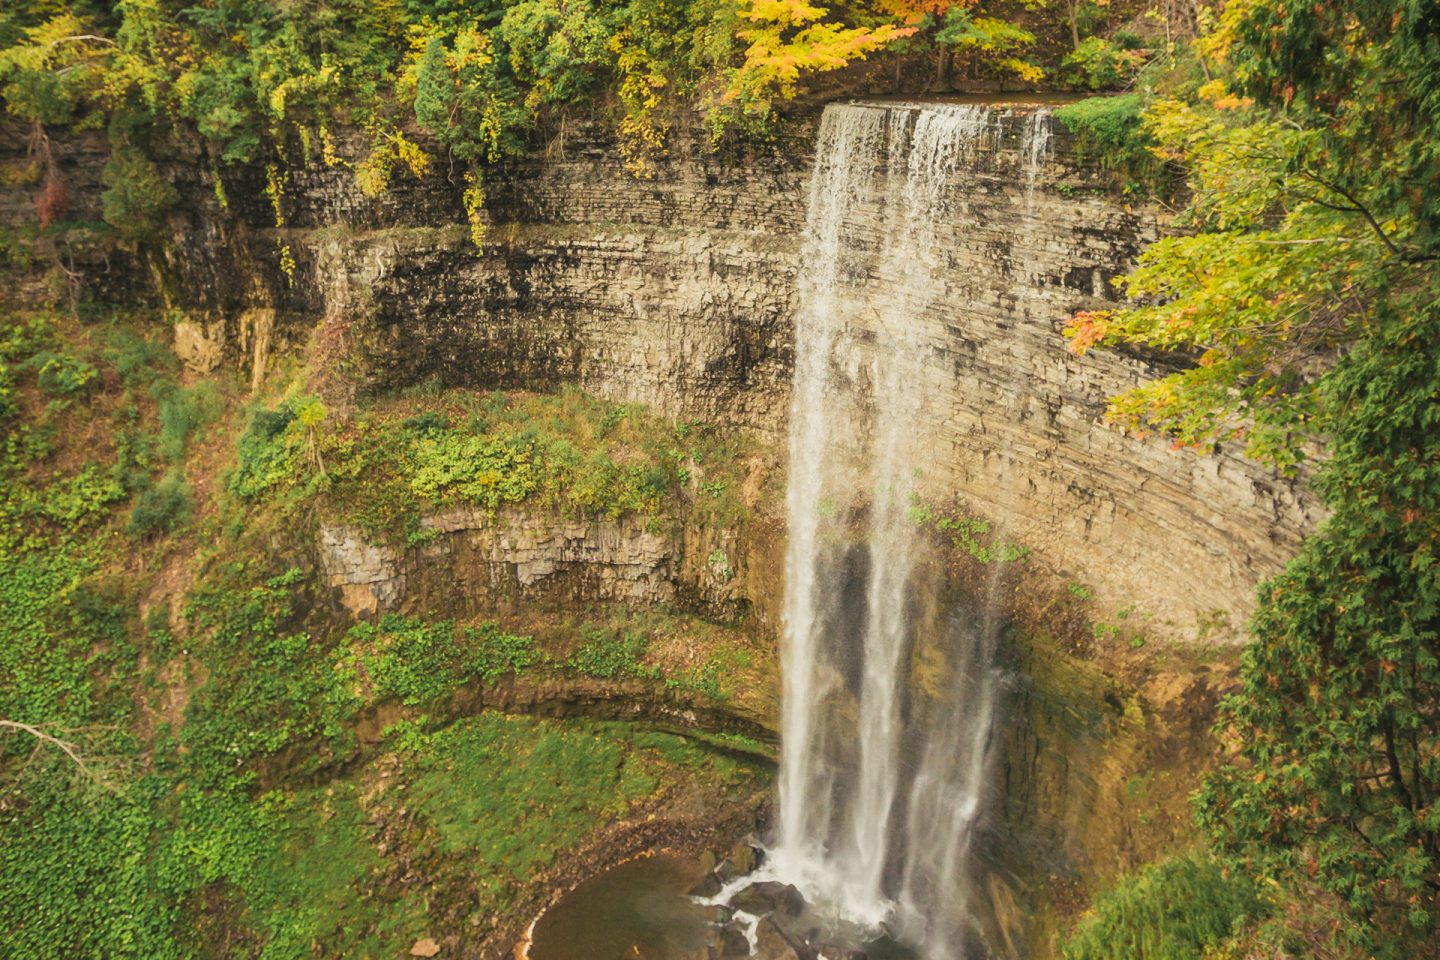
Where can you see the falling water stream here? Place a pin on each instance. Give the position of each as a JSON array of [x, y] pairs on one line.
[[880, 792]]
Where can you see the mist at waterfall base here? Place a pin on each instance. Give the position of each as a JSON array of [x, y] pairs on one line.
[[888, 699]]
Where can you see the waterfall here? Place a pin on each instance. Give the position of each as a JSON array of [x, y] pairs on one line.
[[880, 791]]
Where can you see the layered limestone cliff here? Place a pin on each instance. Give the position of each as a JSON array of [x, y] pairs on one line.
[[477, 563], [679, 292]]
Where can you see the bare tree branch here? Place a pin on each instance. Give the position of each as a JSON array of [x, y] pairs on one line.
[[65, 746]]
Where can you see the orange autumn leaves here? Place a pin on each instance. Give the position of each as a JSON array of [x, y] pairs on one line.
[[787, 38], [1087, 328], [913, 11]]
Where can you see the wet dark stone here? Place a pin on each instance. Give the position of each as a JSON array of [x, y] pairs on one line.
[[719, 913], [708, 886], [733, 942], [769, 896], [745, 858]]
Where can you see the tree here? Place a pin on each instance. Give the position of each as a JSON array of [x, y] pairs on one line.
[[1314, 203], [1338, 719], [1308, 302], [787, 38], [989, 40]]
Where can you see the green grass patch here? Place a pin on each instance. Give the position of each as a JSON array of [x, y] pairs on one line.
[[510, 794], [183, 412]]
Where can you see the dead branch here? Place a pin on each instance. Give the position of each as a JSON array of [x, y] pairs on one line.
[[69, 749]]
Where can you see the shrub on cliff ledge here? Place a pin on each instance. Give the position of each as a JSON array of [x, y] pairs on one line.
[[1110, 130], [1172, 910], [570, 453]]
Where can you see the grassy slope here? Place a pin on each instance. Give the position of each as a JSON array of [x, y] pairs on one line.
[[154, 618]]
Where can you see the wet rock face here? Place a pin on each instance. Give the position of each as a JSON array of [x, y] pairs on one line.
[[773, 943], [769, 896]]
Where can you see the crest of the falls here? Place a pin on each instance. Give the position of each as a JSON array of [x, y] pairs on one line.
[[880, 791]]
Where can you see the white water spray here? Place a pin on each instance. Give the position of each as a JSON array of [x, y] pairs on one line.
[[879, 796]]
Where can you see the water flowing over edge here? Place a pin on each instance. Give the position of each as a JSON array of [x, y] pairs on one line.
[[882, 841]]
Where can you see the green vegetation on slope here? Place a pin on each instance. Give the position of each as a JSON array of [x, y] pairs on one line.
[[1173, 910], [396, 460], [214, 703], [471, 814]]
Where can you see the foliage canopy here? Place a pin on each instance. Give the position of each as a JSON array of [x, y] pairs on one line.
[[1307, 297], [254, 79]]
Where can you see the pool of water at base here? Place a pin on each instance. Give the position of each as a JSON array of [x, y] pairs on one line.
[[637, 910]]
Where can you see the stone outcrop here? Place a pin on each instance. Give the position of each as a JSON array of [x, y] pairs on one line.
[[475, 563]]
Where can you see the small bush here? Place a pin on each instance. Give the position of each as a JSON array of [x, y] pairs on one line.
[[160, 509], [493, 653], [137, 195], [1101, 64], [134, 459], [486, 470], [9, 398], [62, 374], [416, 662], [267, 458], [425, 424], [382, 470], [707, 678], [269, 686], [1108, 123], [79, 499], [611, 656], [969, 534], [136, 358], [1111, 130], [183, 412], [1171, 910], [399, 657]]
